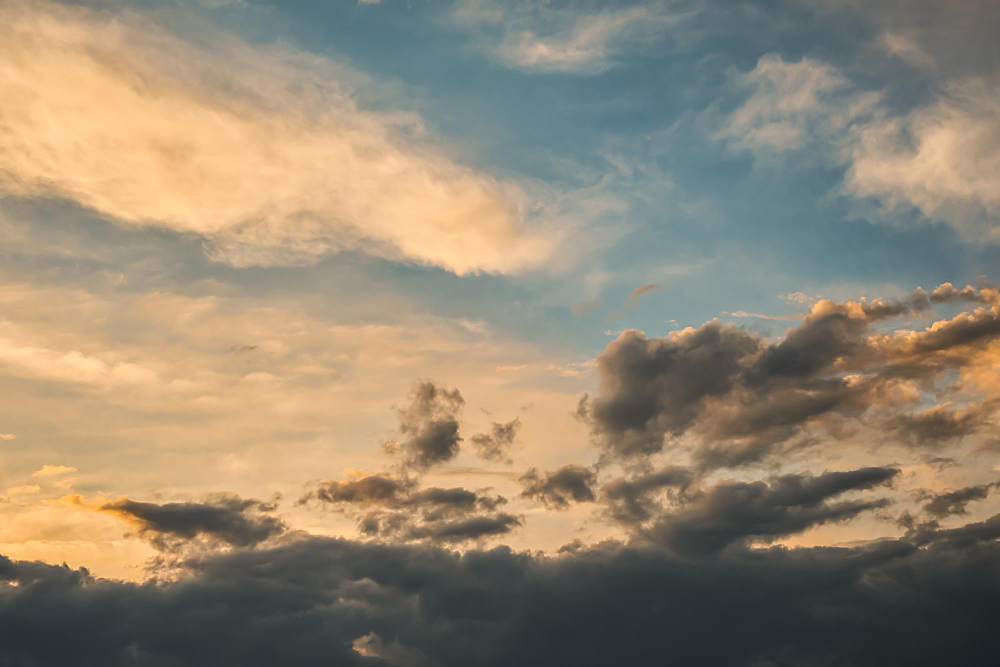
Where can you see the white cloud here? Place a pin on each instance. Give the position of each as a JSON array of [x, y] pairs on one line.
[[542, 38], [942, 158], [260, 152]]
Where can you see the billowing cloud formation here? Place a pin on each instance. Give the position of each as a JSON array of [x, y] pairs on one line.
[[395, 509], [260, 152], [315, 600], [740, 396], [429, 424], [559, 488], [226, 518], [495, 445]]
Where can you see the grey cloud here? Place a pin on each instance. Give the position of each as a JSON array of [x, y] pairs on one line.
[[629, 500], [396, 509], [495, 445], [235, 521], [316, 599], [936, 425], [652, 387], [429, 424], [461, 530], [559, 488], [950, 503], [733, 512], [368, 490], [744, 398]]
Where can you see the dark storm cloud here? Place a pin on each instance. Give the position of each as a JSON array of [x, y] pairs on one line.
[[495, 445], [429, 424], [238, 522], [733, 512], [322, 600], [950, 503], [559, 488], [743, 398]]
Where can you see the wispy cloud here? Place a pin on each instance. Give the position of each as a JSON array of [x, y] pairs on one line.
[[259, 151], [545, 39]]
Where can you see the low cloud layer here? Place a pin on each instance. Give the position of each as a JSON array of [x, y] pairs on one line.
[[324, 600]]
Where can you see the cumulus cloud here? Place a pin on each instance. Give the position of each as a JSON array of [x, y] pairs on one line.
[[261, 152], [741, 397], [559, 488], [396, 509], [495, 445], [429, 424], [225, 518]]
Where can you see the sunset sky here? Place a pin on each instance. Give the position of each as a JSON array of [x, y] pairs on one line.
[[499, 333]]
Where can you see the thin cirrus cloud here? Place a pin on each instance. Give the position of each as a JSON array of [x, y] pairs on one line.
[[544, 39], [257, 151]]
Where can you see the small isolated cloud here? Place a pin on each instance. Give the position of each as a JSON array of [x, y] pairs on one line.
[[7, 436], [634, 295], [429, 425], [52, 470]]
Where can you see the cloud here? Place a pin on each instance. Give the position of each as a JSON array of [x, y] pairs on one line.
[[7, 436], [315, 599], [24, 489], [429, 424], [741, 397], [495, 445], [52, 470], [226, 518], [634, 295], [261, 152], [630, 500], [733, 512], [937, 425], [951, 503], [568, 39], [397, 510], [559, 488], [937, 158], [586, 308]]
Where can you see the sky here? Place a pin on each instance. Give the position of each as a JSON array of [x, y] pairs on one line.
[[490, 333]]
